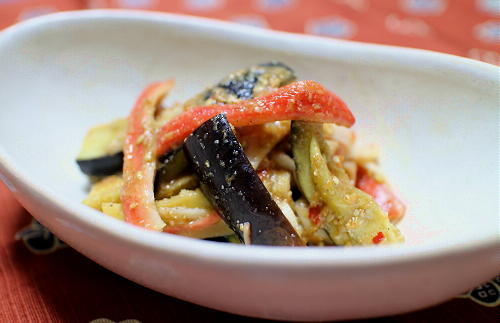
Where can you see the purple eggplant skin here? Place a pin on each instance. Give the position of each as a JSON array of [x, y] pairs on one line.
[[102, 166], [233, 187]]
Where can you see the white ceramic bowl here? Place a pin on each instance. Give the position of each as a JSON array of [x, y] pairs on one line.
[[435, 116]]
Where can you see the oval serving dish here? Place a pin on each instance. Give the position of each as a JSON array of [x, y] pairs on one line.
[[434, 115]]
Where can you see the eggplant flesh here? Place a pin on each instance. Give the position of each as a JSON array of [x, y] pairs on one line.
[[233, 187], [352, 216], [349, 216], [101, 152]]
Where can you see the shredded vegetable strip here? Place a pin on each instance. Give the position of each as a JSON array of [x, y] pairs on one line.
[[304, 100], [140, 160], [206, 221]]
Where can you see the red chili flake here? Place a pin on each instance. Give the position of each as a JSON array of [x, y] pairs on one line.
[[378, 238], [314, 214]]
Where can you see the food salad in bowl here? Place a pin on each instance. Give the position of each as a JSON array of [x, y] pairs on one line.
[[258, 158]]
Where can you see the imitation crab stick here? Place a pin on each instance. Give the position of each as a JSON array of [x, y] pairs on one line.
[[304, 100], [140, 160]]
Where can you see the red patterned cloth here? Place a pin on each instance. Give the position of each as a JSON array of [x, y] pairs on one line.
[[42, 281], [468, 28]]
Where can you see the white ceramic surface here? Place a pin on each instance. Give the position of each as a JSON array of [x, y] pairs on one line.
[[435, 116]]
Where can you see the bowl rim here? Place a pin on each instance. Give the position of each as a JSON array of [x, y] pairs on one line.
[[200, 250]]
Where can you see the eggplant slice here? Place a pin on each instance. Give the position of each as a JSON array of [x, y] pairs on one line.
[[102, 166], [302, 133], [101, 152], [233, 187], [245, 84]]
